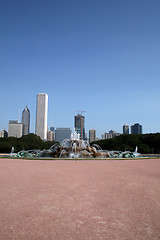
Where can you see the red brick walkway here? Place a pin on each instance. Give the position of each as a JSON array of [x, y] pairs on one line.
[[84, 200]]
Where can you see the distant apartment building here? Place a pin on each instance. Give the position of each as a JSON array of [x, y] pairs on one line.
[[41, 115], [25, 121], [136, 129], [14, 129], [61, 134], [92, 135], [125, 129], [50, 135], [109, 135], [79, 124], [3, 134]]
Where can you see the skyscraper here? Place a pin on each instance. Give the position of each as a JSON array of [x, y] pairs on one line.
[[79, 125], [136, 129], [125, 129], [25, 121], [92, 135], [41, 115]]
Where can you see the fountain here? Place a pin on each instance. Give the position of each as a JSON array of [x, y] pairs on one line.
[[76, 148]]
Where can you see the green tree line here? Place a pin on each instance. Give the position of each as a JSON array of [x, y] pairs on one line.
[[27, 142], [147, 143]]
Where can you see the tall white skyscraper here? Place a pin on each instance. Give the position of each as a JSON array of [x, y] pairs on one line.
[[41, 115]]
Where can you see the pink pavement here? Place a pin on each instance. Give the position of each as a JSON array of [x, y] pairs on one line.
[[84, 200]]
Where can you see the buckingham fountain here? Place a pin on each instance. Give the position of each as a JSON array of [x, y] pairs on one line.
[[75, 148], [69, 148]]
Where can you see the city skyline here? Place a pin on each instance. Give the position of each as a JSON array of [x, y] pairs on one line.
[[102, 57], [42, 128]]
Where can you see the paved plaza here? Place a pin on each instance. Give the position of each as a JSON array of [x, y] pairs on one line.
[[84, 200]]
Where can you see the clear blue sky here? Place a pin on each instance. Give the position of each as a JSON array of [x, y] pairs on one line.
[[101, 56]]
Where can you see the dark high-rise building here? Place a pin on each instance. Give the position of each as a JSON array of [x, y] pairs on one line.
[[80, 125], [136, 129], [25, 121], [125, 129]]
